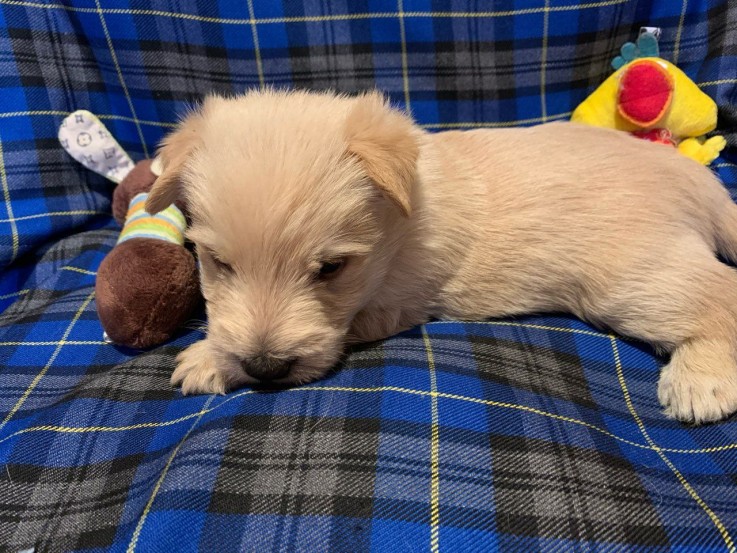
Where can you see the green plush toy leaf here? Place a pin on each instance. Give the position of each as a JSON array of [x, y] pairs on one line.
[[646, 47]]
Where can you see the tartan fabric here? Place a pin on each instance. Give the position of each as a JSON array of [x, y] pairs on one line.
[[531, 434]]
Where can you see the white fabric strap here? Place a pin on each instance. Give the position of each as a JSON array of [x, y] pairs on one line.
[[87, 140]]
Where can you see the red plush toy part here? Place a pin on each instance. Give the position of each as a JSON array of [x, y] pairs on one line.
[[645, 92], [659, 136]]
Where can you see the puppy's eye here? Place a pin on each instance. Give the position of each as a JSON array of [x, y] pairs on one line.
[[222, 266], [330, 269]]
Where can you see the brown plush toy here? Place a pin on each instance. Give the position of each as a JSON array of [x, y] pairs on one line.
[[147, 287]]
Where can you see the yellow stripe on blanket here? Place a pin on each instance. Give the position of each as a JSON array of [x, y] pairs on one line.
[[167, 225]]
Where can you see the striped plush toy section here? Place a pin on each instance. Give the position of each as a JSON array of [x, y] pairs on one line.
[[167, 225]]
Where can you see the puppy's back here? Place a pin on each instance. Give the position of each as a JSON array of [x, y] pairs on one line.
[[570, 203], [593, 178]]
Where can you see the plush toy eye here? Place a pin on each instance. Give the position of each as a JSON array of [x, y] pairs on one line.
[[329, 269]]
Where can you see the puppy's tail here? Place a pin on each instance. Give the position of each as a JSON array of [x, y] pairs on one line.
[[726, 232]]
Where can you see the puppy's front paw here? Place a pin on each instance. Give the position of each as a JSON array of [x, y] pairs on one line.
[[697, 397], [198, 371]]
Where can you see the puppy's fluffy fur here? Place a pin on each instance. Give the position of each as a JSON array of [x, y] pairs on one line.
[[485, 223]]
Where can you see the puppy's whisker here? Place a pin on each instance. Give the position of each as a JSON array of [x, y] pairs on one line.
[[197, 325]]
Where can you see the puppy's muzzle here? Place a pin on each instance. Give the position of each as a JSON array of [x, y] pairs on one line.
[[266, 367]]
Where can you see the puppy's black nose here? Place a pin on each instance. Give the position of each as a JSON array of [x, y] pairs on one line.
[[266, 367]]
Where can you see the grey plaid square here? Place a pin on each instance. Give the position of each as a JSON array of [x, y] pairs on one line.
[[298, 465]]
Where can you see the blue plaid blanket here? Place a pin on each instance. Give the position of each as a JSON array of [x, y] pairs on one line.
[[533, 434]]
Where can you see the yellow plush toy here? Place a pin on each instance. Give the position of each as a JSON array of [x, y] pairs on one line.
[[654, 100]]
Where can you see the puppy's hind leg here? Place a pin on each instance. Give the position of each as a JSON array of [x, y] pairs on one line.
[[687, 307], [700, 382]]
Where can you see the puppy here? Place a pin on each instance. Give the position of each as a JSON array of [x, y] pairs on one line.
[[322, 220]]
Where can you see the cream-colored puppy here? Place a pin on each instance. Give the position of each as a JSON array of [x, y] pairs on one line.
[[322, 220]]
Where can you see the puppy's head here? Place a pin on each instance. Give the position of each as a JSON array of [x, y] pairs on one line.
[[295, 201]]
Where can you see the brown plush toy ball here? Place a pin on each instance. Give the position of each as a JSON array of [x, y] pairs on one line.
[[146, 288]]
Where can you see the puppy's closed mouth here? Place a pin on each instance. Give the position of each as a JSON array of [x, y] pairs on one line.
[[299, 373], [267, 368]]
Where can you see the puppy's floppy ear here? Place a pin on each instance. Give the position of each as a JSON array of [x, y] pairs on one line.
[[385, 140], [173, 153]]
